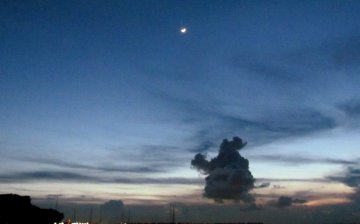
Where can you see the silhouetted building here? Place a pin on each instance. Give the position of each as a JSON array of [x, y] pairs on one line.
[[15, 209]]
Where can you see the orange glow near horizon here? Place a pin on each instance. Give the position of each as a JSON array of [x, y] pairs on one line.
[[327, 201]]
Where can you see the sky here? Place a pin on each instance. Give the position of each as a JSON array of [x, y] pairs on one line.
[[109, 100]]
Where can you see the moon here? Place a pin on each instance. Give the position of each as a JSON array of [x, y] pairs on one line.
[[183, 30]]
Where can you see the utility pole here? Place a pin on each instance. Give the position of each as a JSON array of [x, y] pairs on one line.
[[173, 215], [57, 202], [129, 216], [170, 211], [74, 216], [122, 215], [100, 220], [90, 216]]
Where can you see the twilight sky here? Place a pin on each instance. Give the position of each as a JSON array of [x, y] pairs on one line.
[[109, 100]]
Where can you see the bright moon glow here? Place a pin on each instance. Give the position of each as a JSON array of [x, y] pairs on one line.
[[183, 30]]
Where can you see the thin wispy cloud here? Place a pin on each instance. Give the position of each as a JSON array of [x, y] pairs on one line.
[[351, 108], [332, 54], [213, 122], [62, 176], [312, 180], [298, 160], [74, 165], [36, 176]]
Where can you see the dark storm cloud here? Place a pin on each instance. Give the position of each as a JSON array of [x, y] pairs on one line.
[[76, 177], [301, 160], [228, 175]]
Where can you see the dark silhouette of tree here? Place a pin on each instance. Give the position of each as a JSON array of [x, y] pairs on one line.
[[15, 209]]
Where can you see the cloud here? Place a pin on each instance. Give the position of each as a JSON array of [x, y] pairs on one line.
[[301, 160], [46, 176], [279, 125], [228, 175], [76, 177], [164, 156], [351, 177], [211, 122], [351, 108], [112, 210], [299, 201], [266, 69], [334, 54], [74, 165], [112, 205], [263, 185], [311, 180], [136, 160], [203, 146], [156, 157], [285, 201], [299, 122], [169, 180], [355, 197]]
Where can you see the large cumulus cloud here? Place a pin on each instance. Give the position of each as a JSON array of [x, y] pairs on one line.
[[350, 178], [228, 174], [112, 210]]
